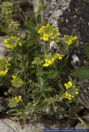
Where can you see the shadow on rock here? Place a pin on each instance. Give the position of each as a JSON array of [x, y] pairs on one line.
[[75, 20]]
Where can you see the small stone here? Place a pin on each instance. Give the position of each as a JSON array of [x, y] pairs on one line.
[[53, 44]]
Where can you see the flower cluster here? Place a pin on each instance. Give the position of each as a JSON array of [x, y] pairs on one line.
[[48, 33], [14, 101], [12, 42], [68, 85], [13, 26], [18, 99], [71, 92], [4, 66], [7, 8], [68, 96], [16, 81], [58, 56], [37, 61], [50, 59], [69, 39]]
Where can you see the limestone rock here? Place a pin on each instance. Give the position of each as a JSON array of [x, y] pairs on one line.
[[55, 9], [7, 125], [75, 20], [70, 17], [2, 47], [84, 93]]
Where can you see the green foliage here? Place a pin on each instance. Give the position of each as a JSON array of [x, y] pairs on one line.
[[12, 103], [86, 48], [81, 73], [38, 66]]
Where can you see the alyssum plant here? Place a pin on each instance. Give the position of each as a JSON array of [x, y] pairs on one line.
[[36, 68]]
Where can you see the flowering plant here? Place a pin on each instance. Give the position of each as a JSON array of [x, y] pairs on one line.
[[36, 67]]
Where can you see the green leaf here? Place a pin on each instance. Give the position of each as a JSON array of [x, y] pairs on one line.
[[31, 27], [38, 19], [81, 73], [12, 102], [52, 74], [86, 48]]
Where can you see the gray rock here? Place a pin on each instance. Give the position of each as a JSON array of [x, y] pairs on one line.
[[55, 9], [23, 34], [2, 50], [84, 93], [7, 125], [70, 17], [3, 105], [75, 20], [2, 47]]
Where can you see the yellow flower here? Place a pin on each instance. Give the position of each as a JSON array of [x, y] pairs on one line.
[[12, 42], [4, 66], [9, 46], [41, 29], [14, 77], [3, 72], [68, 96], [48, 61], [68, 85], [70, 39], [69, 42], [58, 56], [6, 41], [18, 99], [53, 60], [70, 93], [45, 38], [77, 92], [75, 38], [16, 81], [48, 33], [45, 65]]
